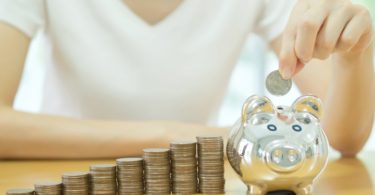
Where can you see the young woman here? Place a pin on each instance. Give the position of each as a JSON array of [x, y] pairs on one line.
[[123, 75]]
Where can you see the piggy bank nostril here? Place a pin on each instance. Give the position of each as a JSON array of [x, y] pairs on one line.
[[277, 156], [292, 155]]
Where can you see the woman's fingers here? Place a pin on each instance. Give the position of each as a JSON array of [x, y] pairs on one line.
[[287, 57], [307, 31], [357, 27], [318, 28], [329, 34], [364, 42]]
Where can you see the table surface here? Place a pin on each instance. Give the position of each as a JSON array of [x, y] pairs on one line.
[[342, 176]]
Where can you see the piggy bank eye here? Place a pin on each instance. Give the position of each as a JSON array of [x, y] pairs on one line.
[[297, 128], [271, 127]]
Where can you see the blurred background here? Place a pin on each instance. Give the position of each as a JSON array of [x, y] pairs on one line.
[[253, 66]]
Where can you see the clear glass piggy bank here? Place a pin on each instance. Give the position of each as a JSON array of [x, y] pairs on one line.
[[281, 148]]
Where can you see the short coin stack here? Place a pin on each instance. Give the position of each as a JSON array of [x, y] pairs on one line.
[[20, 192], [48, 188], [157, 170], [103, 179], [130, 176], [211, 165], [75, 183], [184, 167]]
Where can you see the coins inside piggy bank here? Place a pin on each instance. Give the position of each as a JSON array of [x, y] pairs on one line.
[[276, 85]]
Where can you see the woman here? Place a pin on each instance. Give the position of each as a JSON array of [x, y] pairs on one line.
[[125, 75]]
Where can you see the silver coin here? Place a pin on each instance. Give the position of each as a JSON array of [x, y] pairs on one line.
[[276, 85]]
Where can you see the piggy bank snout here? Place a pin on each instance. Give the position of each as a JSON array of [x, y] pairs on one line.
[[284, 157]]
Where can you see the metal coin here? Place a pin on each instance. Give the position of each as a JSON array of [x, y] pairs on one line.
[[276, 85]]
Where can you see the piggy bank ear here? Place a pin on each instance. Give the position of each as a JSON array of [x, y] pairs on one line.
[[256, 104], [308, 104]]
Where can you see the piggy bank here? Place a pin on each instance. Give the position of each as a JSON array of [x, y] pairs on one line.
[[278, 148]]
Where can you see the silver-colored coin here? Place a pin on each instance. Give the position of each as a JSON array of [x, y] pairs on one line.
[[276, 85]]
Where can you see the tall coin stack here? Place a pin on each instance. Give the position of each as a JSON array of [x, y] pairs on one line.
[[184, 167], [48, 188], [103, 179], [130, 176], [75, 183], [157, 170], [211, 165]]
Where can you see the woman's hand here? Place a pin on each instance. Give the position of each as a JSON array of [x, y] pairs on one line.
[[319, 28]]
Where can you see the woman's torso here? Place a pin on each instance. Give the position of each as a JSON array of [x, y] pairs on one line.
[[107, 62]]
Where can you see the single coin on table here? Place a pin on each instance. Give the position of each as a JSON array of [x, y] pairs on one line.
[[276, 85]]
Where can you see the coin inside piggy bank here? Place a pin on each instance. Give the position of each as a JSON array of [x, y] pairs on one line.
[[278, 148]]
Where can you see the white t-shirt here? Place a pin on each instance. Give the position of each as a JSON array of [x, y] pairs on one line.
[[106, 62]]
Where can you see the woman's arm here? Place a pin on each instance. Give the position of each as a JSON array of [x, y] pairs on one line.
[[330, 42], [27, 135]]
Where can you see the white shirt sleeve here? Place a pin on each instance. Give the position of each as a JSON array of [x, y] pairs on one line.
[[25, 15], [273, 18]]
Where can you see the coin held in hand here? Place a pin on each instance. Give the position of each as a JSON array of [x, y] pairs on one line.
[[276, 85]]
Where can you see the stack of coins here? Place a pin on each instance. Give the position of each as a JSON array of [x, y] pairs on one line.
[[75, 183], [157, 171], [130, 176], [103, 179], [20, 192], [48, 188], [211, 165], [184, 167]]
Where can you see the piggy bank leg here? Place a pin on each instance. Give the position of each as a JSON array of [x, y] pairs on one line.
[[254, 189], [304, 189]]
